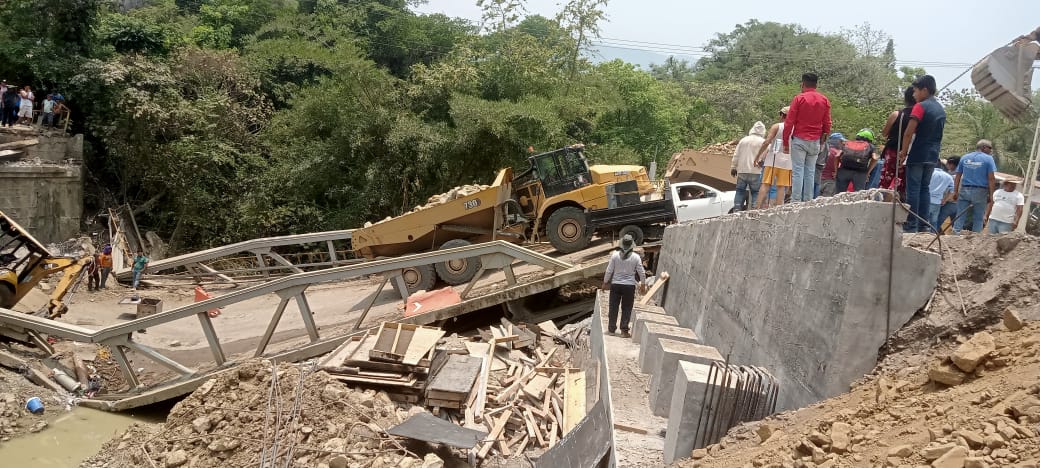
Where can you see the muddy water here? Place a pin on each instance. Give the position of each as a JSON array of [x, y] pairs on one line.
[[69, 439]]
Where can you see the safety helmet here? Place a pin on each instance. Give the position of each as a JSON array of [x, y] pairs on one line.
[[866, 134]]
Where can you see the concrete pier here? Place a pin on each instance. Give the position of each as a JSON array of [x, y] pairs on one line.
[[650, 334], [664, 364]]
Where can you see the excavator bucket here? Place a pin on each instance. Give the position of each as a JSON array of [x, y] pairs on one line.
[[1004, 77]]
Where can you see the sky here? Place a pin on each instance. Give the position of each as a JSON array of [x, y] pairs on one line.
[[944, 40]]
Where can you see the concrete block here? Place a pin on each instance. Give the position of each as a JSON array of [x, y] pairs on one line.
[[796, 303], [664, 369], [653, 318], [649, 337], [691, 380]]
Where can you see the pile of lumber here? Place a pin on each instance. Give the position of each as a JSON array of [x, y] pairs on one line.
[[507, 381], [396, 358]]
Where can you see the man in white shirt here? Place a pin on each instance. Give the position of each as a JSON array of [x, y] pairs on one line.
[[1005, 208]]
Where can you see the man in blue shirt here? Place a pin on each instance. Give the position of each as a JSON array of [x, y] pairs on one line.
[[925, 131], [941, 190], [974, 185]]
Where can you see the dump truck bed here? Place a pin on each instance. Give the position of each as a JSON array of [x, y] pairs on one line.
[[475, 217]]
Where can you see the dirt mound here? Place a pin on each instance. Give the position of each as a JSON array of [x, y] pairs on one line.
[[258, 414], [982, 276], [435, 200], [904, 418]]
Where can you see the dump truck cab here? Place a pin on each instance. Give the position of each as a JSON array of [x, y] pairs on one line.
[[24, 262], [559, 187]]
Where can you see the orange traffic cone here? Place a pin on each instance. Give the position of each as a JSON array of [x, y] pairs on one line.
[[202, 295]]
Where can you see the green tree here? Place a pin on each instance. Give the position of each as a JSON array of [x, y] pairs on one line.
[[581, 18], [499, 15]]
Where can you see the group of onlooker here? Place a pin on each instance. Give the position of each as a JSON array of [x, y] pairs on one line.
[[17, 106], [799, 153]]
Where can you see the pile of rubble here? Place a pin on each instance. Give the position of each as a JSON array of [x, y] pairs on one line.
[[726, 147], [260, 414], [435, 200], [958, 386], [15, 419]]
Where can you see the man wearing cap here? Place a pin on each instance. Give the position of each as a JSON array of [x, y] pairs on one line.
[[805, 129], [1005, 208], [776, 163], [974, 186], [624, 273]]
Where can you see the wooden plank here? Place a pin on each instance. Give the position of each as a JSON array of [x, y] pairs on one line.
[[523, 444], [457, 375], [496, 432], [452, 404], [344, 351], [661, 280], [535, 388], [632, 429], [422, 341], [554, 428], [548, 328], [573, 399], [481, 349], [481, 400]]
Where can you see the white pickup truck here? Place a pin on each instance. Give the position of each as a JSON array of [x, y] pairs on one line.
[[684, 201]]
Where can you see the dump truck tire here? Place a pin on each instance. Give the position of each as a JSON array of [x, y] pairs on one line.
[[6, 296], [460, 271], [635, 231], [420, 278], [567, 228]]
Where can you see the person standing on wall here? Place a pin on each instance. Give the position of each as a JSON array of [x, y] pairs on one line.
[[743, 167], [624, 274], [895, 126], [858, 158], [925, 131], [776, 164], [974, 185], [1005, 208], [805, 130]]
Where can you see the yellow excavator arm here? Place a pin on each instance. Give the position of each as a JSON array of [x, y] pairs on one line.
[[71, 269]]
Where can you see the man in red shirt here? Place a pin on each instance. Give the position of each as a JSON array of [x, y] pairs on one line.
[[805, 131]]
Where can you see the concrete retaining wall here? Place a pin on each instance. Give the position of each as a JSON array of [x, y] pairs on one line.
[[46, 200], [800, 290]]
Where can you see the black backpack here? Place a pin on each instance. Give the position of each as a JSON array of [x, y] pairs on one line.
[[855, 155]]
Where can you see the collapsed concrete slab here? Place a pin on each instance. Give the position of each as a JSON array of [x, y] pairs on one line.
[[650, 334], [801, 290], [663, 364]]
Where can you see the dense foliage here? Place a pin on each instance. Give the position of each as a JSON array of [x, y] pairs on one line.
[[232, 119]]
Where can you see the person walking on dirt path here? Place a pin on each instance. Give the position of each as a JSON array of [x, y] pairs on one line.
[[743, 167], [93, 273], [776, 164], [893, 174], [805, 129], [140, 264], [940, 195], [624, 274], [925, 131], [1005, 208], [974, 185], [105, 261]]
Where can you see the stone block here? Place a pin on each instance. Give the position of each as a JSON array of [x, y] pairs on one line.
[[691, 380], [649, 334], [971, 353], [653, 318], [664, 370]]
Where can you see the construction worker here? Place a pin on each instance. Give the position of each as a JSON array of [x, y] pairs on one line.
[[105, 261], [624, 275], [93, 273], [140, 264]]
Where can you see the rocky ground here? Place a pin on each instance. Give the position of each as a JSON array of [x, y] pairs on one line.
[[958, 386], [15, 420], [286, 415]]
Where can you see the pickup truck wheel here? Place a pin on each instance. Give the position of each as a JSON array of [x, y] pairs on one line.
[[567, 228], [635, 231], [420, 278], [458, 271]]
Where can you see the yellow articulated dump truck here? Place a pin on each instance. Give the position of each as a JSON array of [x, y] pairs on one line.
[[560, 187], [550, 198], [488, 214], [24, 262]]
